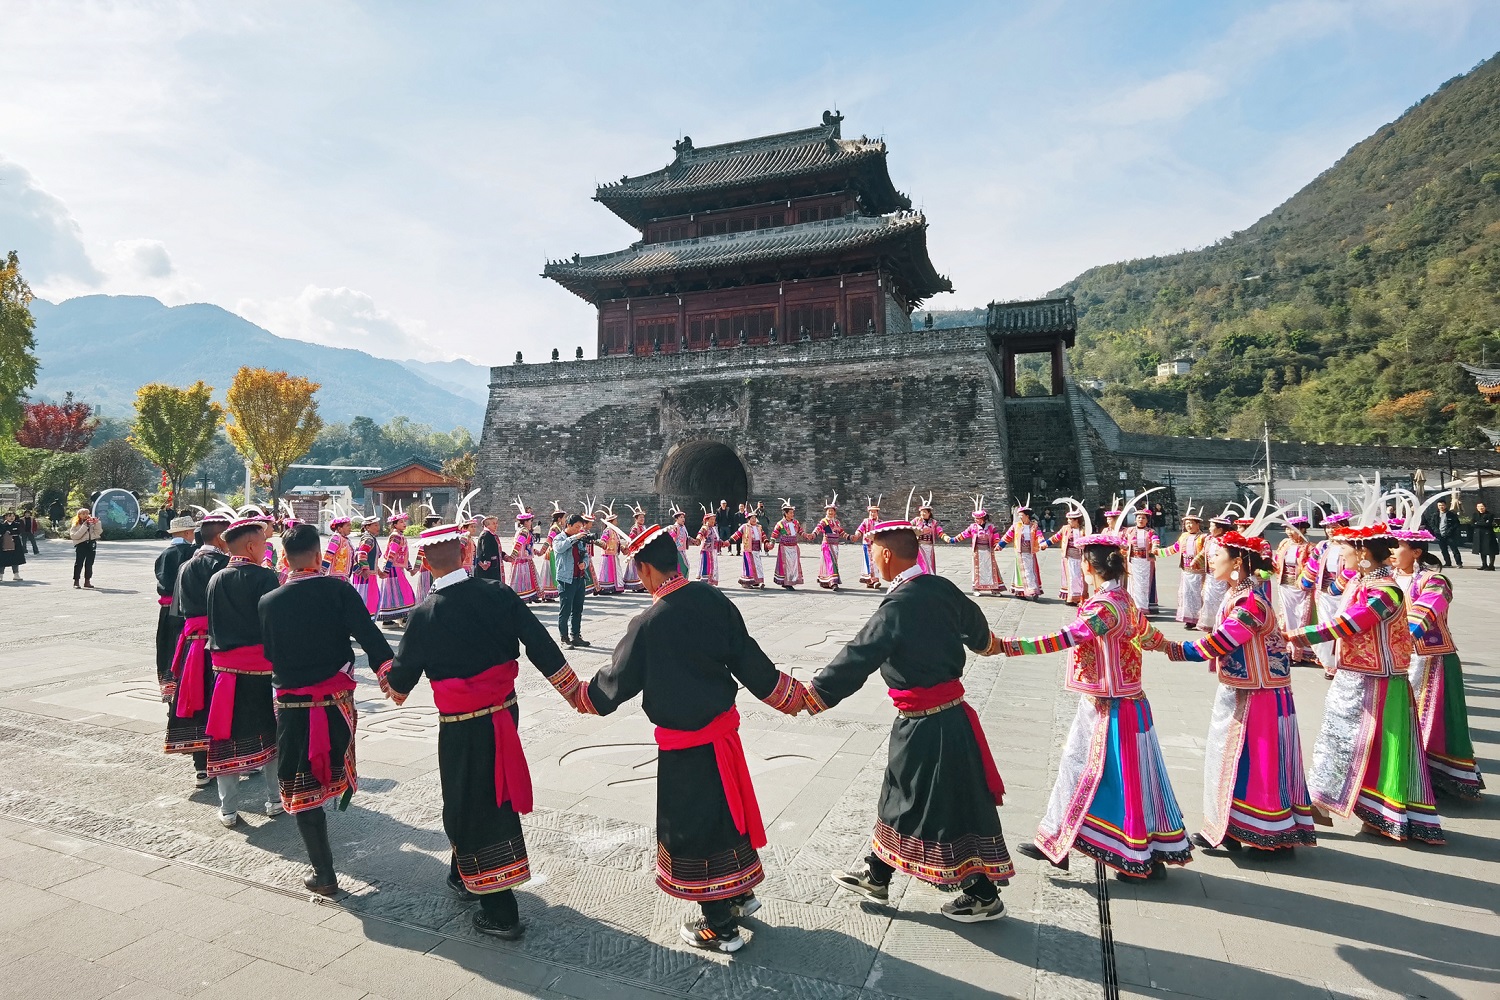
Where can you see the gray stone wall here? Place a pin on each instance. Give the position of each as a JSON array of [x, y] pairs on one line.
[[860, 415]]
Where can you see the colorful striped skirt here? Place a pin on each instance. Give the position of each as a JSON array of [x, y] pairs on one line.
[[986, 572], [1190, 599], [1074, 589], [751, 574], [549, 577], [829, 578], [1368, 759], [1438, 684], [609, 574], [396, 594], [708, 564], [1254, 789], [367, 585], [788, 565], [1112, 799], [523, 577], [631, 579]]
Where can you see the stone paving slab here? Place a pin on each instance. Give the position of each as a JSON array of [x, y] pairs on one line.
[[109, 855]]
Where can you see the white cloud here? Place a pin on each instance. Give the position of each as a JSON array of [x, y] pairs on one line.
[[38, 226], [343, 317], [142, 259], [1167, 98]]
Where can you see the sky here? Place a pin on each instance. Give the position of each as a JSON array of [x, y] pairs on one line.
[[392, 176]]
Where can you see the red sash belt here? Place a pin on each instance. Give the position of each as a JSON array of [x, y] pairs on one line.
[[165, 602], [734, 772], [492, 687], [319, 746], [251, 659], [921, 699], [191, 696]]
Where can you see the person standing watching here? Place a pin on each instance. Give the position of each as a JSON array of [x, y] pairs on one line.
[[55, 515], [489, 562], [1483, 531], [1448, 535], [12, 548], [571, 549], [85, 535], [30, 528]]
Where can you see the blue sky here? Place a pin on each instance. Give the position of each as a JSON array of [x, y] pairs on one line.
[[392, 176]]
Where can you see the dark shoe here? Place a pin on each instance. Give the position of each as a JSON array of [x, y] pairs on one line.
[[201, 779], [859, 882], [87, 585], [698, 934], [1201, 841], [579, 640], [1030, 850], [505, 932], [744, 906], [460, 890], [967, 909], [326, 887], [566, 642], [75, 584]]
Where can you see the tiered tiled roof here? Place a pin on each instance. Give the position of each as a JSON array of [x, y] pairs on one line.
[[699, 179], [900, 236]]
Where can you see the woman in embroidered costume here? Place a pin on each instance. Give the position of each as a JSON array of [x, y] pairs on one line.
[[1214, 590], [982, 538], [1074, 589], [1436, 673], [632, 578], [680, 534], [1254, 788], [1192, 560], [937, 819], [752, 539], [829, 533], [710, 542], [609, 552], [467, 638], [785, 536], [523, 578], [929, 532], [1028, 539], [1141, 547], [338, 558], [869, 578], [1323, 579], [418, 568], [305, 627], [396, 594], [366, 575], [1294, 602], [548, 557], [1112, 800], [687, 654], [1367, 761]]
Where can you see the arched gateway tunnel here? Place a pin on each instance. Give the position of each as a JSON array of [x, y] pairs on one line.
[[861, 415]]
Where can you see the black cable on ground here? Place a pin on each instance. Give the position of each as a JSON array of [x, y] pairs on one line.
[[1110, 974]]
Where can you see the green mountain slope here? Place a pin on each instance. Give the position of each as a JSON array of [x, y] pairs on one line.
[[1338, 317]]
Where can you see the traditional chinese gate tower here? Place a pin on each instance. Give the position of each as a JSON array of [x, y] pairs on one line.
[[790, 236]]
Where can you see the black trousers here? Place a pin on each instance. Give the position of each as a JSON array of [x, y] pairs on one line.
[[570, 606], [30, 537], [83, 560], [1452, 552]]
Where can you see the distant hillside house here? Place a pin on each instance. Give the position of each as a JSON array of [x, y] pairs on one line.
[[1173, 368]]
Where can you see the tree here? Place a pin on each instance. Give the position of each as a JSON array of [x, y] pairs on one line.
[[117, 465], [17, 345], [175, 428], [65, 426], [461, 467], [61, 472], [275, 420]]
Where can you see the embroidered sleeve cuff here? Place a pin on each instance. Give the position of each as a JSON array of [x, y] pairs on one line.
[[789, 696], [566, 683], [382, 674], [814, 703]]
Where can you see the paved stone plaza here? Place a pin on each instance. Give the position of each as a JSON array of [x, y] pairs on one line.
[[118, 880]]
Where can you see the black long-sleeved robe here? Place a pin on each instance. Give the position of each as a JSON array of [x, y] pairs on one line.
[[234, 594], [936, 818], [190, 600], [168, 624]]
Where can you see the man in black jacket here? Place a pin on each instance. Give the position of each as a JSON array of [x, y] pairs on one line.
[[168, 623], [489, 560], [1448, 535]]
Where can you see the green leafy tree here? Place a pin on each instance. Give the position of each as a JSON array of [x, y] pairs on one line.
[[275, 421], [17, 345], [174, 428]]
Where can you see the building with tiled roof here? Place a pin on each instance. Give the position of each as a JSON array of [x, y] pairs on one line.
[[799, 235]]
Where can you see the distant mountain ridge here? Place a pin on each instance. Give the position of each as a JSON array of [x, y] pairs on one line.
[[102, 348]]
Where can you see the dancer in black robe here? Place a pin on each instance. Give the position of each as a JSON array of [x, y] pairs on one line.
[[685, 655], [241, 719], [306, 625], [168, 623], [191, 671], [466, 637], [937, 819]]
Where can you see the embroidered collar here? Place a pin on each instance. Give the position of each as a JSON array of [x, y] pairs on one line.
[[1111, 585], [675, 583], [242, 561], [449, 579], [910, 573], [297, 576]]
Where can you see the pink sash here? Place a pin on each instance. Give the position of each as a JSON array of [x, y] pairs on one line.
[[191, 696], [319, 746], [734, 772], [165, 602], [921, 699], [251, 659], [488, 689]]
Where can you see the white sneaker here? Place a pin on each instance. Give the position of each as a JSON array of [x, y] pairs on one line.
[[201, 779], [274, 808], [229, 819]]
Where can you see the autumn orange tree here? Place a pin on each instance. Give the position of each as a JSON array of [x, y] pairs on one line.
[[275, 421], [174, 428]]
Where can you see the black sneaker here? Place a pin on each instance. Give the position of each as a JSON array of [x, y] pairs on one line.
[[505, 932], [744, 906], [579, 640], [967, 909], [566, 641], [1035, 853], [698, 934], [859, 881], [460, 890]]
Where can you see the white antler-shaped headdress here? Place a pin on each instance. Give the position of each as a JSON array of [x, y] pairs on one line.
[[1077, 509], [1129, 510]]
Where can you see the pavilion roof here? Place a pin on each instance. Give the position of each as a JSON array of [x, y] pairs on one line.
[[810, 153], [900, 235]]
